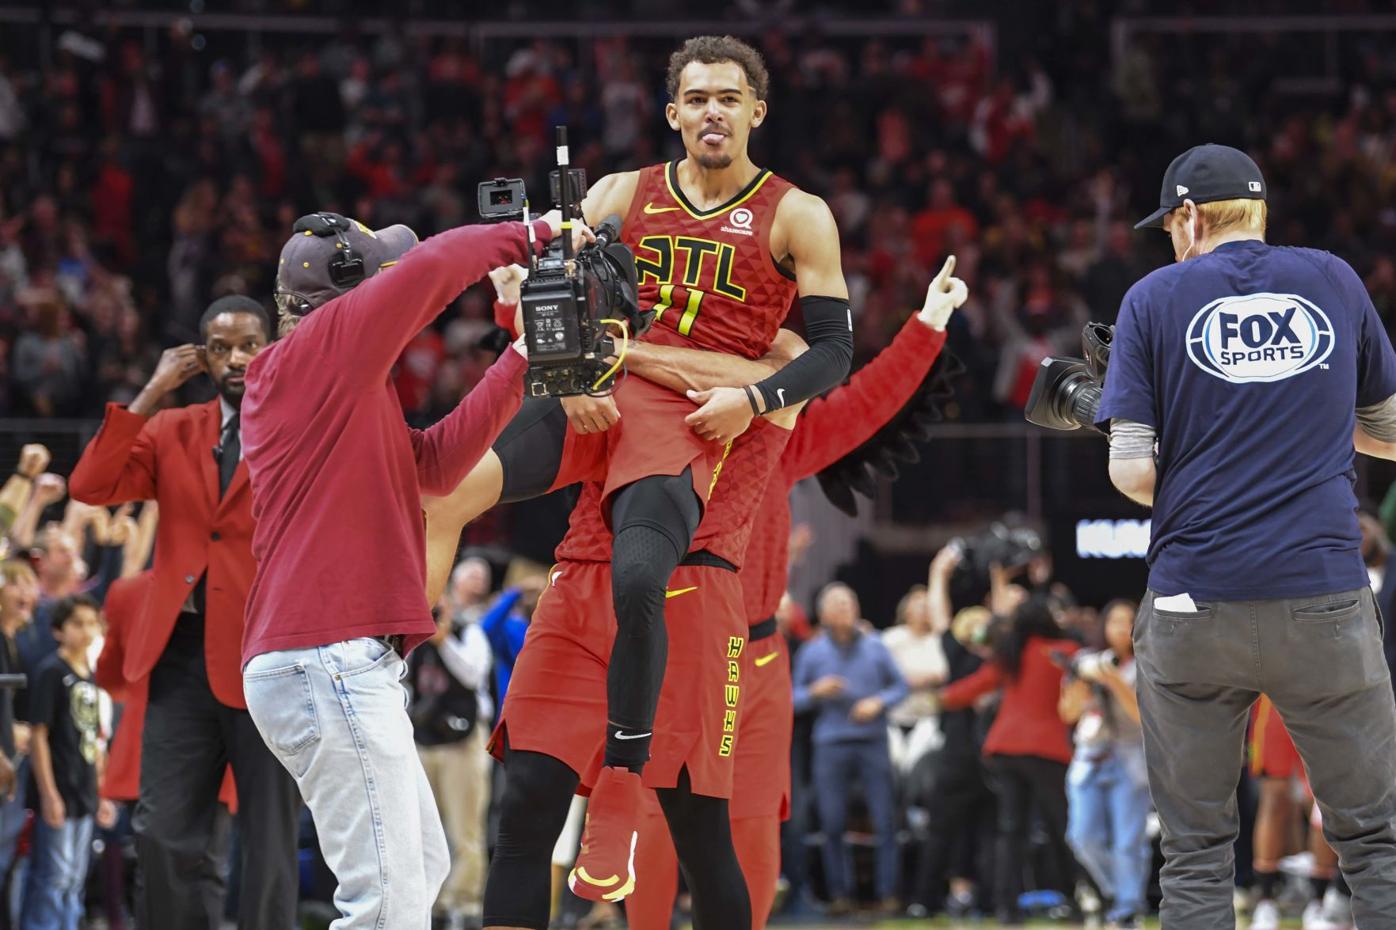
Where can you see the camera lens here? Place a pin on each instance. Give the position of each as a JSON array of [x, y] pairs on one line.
[[1081, 400]]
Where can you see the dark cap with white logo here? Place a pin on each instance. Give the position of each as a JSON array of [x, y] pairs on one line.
[[1204, 174]]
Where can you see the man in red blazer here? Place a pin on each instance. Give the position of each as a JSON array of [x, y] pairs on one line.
[[123, 610], [189, 640]]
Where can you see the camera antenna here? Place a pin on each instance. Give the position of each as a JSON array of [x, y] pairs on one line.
[[532, 240], [565, 190]]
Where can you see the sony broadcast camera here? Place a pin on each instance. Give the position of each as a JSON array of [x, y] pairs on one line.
[[1066, 392], [574, 304]]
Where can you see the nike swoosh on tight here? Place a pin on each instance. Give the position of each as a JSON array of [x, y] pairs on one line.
[[620, 735]]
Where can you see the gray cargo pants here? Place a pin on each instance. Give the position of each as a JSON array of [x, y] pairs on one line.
[[1320, 661]]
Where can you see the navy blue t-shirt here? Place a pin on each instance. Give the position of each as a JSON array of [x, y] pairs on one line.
[[1249, 362]]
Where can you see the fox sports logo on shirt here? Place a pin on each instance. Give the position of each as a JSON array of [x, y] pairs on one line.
[[1259, 337]]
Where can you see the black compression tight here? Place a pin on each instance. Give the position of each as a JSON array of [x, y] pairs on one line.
[[538, 791], [654, 521], [702, 832]]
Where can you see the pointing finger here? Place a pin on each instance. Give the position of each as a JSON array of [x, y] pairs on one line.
[[944, 274]]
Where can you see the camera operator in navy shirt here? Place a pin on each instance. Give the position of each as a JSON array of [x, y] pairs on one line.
[[1258, 371]]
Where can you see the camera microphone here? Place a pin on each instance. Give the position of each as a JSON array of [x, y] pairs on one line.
[[608, 231]]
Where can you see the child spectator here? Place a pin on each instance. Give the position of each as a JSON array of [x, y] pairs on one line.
[[67, 757]]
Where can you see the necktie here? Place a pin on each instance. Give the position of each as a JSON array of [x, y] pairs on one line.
[[230, 450]]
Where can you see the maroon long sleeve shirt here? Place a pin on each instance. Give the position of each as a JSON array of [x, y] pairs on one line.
[[337, 476]]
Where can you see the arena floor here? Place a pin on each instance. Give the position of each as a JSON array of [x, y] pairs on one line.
[[943, 924]]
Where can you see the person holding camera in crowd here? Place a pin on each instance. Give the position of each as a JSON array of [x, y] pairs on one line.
[[188, 460], [1027, 749], [961, 796], [1241, 381], [337, 477], [1107, 783]]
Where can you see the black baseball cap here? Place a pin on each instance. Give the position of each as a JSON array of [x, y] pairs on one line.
[[1204, 174], [328, 254]]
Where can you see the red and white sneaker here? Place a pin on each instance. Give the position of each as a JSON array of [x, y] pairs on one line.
[[605, 869]]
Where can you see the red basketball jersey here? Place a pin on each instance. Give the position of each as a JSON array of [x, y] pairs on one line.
[[727, 524], [588, 538], [740, 485], [709, 275]]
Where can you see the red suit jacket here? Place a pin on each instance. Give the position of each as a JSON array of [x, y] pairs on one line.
[[169, 458], [122, 779]]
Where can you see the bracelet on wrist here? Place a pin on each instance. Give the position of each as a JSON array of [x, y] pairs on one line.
[[751, 399]]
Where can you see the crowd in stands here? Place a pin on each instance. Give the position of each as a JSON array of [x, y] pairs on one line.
[[976, 752], [139, 177]]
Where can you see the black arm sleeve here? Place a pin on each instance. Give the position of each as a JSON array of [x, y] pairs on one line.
[[829, 330]]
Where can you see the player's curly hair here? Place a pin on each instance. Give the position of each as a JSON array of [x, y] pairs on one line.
[[710, 50]]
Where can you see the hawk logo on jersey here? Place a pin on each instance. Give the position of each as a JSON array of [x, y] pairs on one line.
[[1259, 337]]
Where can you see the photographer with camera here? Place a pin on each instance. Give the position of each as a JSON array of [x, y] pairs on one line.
[[1257, 371], [961, 799], [1107, 784], [337, 478], [1027, 749]]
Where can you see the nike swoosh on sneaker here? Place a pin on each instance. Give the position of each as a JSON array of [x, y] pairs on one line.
[[677, 591], [651, 209], [766, 659]]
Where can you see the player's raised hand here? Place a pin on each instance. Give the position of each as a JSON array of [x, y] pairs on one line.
[[724, 414], [943, 297], [591, 414], [581, 232], [507, 281]]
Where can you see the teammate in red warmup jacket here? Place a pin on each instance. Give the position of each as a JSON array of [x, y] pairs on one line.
[[831, 428], [556, 704]]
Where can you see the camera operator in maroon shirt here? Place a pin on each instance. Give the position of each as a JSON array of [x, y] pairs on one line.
[[337, 478]]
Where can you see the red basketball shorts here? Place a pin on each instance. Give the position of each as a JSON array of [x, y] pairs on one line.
[[556, 703], [1272, 751]]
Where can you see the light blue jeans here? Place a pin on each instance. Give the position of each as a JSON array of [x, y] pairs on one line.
[[336, 717], [57, 874], [1107, 827]]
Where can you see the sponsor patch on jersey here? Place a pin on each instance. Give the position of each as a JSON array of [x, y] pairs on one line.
[[739, 223], [1259, 337]]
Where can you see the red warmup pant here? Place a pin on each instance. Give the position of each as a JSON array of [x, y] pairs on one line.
[[757, 840], [760, 797]]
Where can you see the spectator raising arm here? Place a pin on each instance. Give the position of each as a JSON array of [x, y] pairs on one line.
[[48, 489], [33, 459]]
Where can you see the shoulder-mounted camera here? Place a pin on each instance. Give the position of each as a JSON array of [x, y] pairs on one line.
[[579, 309], [1066, 393]]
